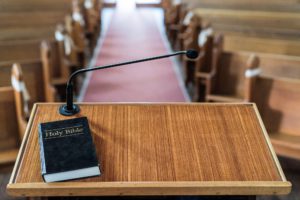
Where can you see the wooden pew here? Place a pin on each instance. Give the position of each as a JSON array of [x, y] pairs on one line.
[[190, 41], [45, 13], [9, 140], [59, 64], [172, 17], [19, 50], [229, 83], [177, 29], [36, 80], [281, 66], [206, 66], [75, 31], [36, 29], [92, 15], [29, 88], [259, 31], [34, 36], [29, 19], [278, 100], [253, 5], [30, 5]]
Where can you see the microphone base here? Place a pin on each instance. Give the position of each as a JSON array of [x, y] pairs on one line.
[[64, 111]]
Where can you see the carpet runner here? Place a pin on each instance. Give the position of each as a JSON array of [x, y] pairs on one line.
[[133, 34]]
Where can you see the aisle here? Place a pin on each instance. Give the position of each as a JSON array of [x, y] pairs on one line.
[[133, 34]]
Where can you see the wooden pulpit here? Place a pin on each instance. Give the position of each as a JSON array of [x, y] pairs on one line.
[[161, 149]]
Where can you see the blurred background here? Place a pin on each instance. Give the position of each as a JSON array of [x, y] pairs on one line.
[[249, 52]]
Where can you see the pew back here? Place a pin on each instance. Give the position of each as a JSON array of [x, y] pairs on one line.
[[280, 65], [19, 50], [270, 5], [8, 128], [29, 19], [279, 113], [259, 31], [27, 33], [34, 5], [230, 77], [273, 65]]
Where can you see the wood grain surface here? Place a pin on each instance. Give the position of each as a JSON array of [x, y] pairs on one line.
[[195, 145]]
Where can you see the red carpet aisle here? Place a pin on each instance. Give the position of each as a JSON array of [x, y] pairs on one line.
[[132, 35]]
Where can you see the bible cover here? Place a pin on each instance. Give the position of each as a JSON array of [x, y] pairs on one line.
[[67, 150]]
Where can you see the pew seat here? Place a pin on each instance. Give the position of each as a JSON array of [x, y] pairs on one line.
[[223, 98]]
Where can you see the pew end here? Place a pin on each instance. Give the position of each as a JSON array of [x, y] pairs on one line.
[[232, 82], [22, 98], [9, 135]]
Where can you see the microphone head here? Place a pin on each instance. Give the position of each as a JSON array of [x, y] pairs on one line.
[[192, 54]]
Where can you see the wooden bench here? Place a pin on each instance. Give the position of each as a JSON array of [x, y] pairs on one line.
[[172, 17], [48, 11], [9, 139], [231, 70], [206, 66], [30, 5], [259, 31], [29, 88], [281, 66], [29, 19], [178, 28], [278, 103], [19, 50], [37, 89], [230, 83], [40, 23], [44, 57], [92, 15], [253, 5], [60, 64], [28, 50], [189, 40]]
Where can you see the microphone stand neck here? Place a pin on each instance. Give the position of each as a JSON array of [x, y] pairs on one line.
[[69, 96], [70, 108]]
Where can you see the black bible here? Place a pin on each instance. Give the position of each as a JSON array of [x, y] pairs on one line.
[[67, 150]]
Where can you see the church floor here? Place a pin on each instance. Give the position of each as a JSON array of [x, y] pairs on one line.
[[133, 33]]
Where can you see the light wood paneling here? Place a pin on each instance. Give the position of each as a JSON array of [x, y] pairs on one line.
[[160, 149]]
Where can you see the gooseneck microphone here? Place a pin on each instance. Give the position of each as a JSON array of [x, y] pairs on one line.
[[70, 108]]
